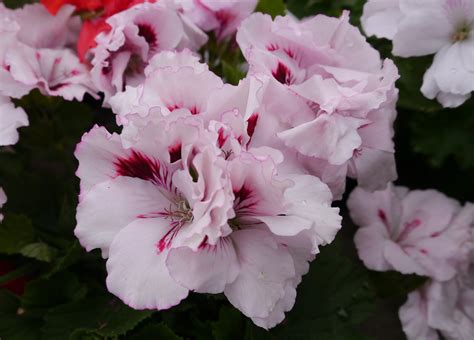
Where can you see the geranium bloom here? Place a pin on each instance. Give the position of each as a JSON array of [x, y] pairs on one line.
[[136, 35], [11, 119], [340, 117], [32, 61], [194, 216], [221, 17], [441, 27], [40, 29], [447, 307], [53, 72], [175, 82], [419, 232], [92, 27], [381, 18]]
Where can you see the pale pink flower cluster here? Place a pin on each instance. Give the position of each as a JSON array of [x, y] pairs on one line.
[[135, 36], [421, 232], [34, 54], [423, 27], [140, 32], [221, 17], [181, 201], [336, 98], [441, 307], [215, 188]]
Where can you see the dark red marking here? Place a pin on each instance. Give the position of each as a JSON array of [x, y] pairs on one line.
[[382, 216], [244, 201], [221, 139], [175, 153], [408, 228], [251, 124], [141, 166], [224, 17], [272, 47], [165, 242], [283, 74], [290, 53], [193, 109], [148, 33], [357, 153], [57, 87], [203, 243]]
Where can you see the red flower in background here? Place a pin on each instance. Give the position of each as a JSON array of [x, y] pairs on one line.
[[81, 5], [16, 286], [92, 27]]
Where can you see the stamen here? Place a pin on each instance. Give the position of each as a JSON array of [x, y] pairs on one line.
[[461, 34]]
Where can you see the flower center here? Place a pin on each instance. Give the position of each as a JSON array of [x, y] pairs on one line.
[[461, 34], [180, 213]]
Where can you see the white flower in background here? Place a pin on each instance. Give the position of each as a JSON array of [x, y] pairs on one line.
[[423, 27], [11, 118], [413, 232], [381, 18], [447, 307]]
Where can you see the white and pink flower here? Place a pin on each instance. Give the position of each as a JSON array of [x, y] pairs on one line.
[[53, 72], [198, 218], [33, 56], [444, 307], [135, 36], [339, 108], [441, 27], [11, 118], [414, 232], [221, 17], [38, 28], [381, 18], [177, 84]]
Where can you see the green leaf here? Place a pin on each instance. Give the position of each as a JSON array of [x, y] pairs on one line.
[[14, 324], [272, 7], [16, 232], [411, 78], [39, 251], [305, 8], [104, 315], [73, 254], [42, 294], [444, 135], [333, 299], [155, 331], [17, 3], [232, 73], [230, 324], [390, 284]]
